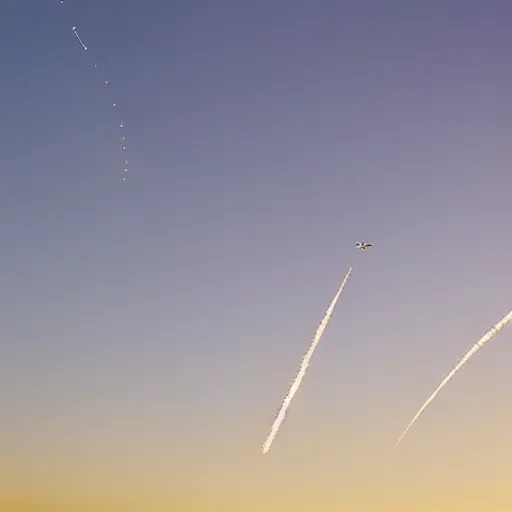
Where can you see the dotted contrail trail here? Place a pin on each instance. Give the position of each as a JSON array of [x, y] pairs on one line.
[[477, 346], [78, 37], [303, 367]]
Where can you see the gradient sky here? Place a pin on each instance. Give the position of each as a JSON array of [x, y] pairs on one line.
[[150, 327]]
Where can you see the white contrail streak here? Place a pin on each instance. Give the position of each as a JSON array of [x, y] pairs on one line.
[[303, 367], [78, 37], [477, 346]]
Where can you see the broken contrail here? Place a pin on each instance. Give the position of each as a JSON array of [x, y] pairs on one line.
[[303, 367], [479, 344]]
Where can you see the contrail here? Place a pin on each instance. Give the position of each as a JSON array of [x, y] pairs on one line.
[[78, 37], [303, 367], [479, 344]]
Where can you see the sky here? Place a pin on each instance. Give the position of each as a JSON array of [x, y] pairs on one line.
[[151, 326]]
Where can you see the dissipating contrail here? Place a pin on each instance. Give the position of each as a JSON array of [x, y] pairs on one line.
[[477, 346], [303, 367]]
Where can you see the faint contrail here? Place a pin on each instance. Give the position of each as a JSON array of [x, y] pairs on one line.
[[479, 344], [78, 37], [303, 367]]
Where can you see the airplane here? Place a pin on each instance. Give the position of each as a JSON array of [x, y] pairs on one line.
[[363, 245]]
